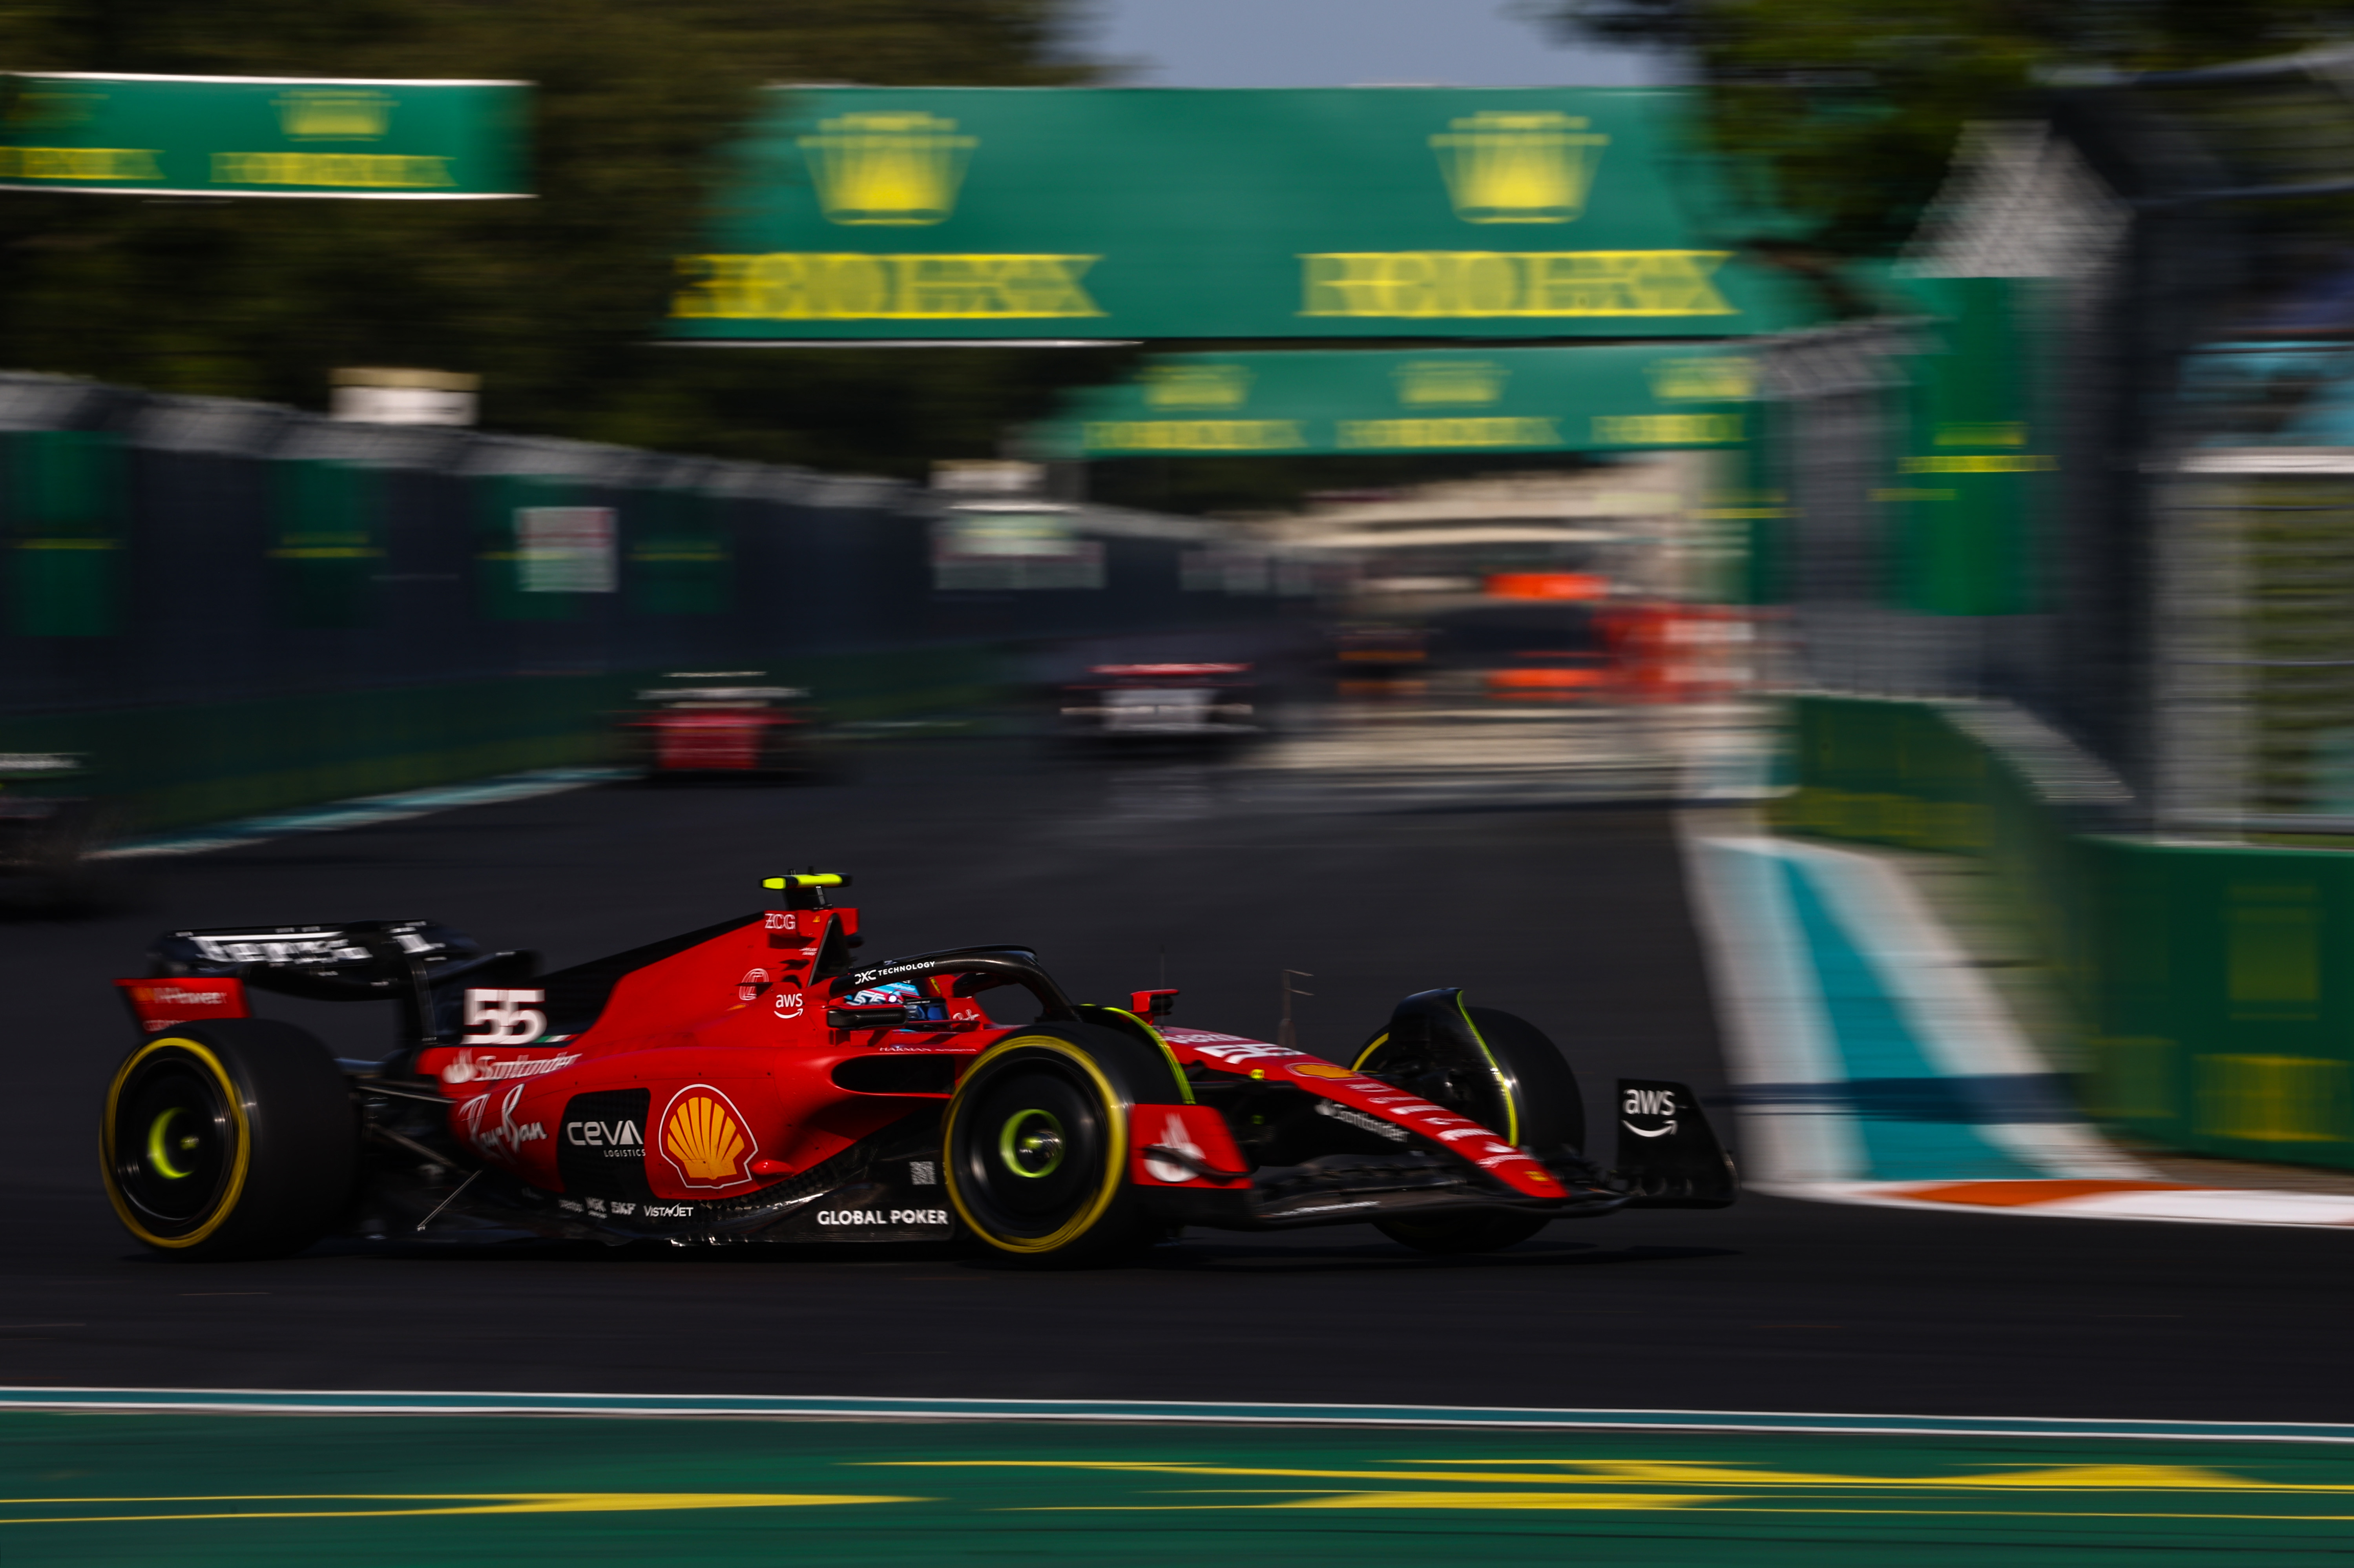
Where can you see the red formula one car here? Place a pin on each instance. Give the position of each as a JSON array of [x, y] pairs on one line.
[[1143, 704], [720, 726], [753, 1082]]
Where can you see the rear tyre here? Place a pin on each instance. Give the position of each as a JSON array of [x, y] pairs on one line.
[[1504, 1074], [229, 1140], [1037, 1146]]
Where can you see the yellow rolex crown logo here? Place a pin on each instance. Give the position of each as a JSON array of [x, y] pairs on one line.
[[1196, 386], [897, 168], [1728, 379], [1425, 381], [1505, 165], [334, 114]]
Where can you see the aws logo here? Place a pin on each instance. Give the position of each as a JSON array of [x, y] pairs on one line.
[[704, 1138], [1660, 1102]]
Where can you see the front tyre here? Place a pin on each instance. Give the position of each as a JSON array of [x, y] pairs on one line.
[[229, 1139], [1037, 1145], [1501, 1071]]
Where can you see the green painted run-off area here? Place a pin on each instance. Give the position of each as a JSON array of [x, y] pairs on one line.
[[93, 1489]]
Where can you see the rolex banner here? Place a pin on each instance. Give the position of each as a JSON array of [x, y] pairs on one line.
[[263, 137], [1603, 397], [1052, 213]]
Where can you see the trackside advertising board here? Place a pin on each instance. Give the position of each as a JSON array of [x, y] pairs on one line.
[[1052, 213], [264, 136], [1602, 397]]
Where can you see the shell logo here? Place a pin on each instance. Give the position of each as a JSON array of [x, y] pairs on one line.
[[1320, 1070], [705, 1140]]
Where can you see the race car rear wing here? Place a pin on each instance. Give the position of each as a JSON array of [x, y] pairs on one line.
[[406, 961]]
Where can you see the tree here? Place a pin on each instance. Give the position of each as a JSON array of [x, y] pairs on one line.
[[553, 301], [1855, 111]]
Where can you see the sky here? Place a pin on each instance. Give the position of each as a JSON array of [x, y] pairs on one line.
[[1349, 43]]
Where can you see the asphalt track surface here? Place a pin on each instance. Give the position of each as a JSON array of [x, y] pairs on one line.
[[1574, 917]]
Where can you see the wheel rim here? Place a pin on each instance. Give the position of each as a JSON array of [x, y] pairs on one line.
[[1033, 1142], [176, 1143]]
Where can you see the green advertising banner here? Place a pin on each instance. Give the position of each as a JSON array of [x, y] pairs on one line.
[[264, 136], [1605, 398], [1971, 479], [1056, 212]]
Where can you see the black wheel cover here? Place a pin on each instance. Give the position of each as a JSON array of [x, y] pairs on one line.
[[176, 1142]]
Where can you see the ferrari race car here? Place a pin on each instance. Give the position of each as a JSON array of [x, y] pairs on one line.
[[50, 832], [720, 726], [753, 1082], [1145, 703]]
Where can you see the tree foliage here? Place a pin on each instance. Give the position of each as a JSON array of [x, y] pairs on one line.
[[552, 301], [1855, 110]]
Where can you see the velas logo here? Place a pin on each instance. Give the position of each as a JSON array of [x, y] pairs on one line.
[[754, 983], [1422, 382], [1196, 386], [704, 1138], [888, 168], [1506, 166]]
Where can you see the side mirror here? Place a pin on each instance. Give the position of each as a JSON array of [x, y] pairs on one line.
[[1152, 1003]]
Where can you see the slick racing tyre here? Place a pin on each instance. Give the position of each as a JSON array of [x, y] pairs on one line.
[[1036, 1143], [1499, 1070], [229, 1140]]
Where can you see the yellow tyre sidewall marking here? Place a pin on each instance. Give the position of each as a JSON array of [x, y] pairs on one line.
[[1506, 1085], [1116, 1148], [1168, 1051], [226, 1205]]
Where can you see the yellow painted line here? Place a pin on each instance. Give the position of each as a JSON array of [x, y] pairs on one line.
[[453, 1503], [2077, 1477], [2063, 1478], [1641, 1502]]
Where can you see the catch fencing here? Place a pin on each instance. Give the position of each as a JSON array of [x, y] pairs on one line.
[[229, 607]]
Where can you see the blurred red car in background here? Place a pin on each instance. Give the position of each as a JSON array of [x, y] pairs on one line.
[[721, 728]]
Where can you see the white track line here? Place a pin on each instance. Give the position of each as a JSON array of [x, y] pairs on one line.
[[365, 810]]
